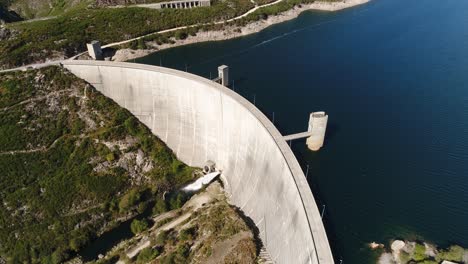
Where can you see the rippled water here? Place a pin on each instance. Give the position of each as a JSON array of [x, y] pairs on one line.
[[393, 77]]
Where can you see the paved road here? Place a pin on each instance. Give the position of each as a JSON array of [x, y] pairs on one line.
[[33, 66]]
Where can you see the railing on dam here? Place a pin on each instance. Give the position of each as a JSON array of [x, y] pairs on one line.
[[201, 120]]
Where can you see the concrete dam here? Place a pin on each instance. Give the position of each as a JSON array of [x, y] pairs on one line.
[[201, 120]]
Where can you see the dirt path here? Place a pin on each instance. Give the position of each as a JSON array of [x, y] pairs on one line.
[[251, 28]]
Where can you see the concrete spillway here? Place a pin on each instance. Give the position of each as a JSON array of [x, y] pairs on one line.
[[201, 120]]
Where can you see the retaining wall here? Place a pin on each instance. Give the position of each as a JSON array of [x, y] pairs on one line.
[[201, 120]]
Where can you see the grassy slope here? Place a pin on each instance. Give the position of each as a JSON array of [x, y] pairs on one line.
[[215, 231], [29, 9], [68, 34], [53, 200]]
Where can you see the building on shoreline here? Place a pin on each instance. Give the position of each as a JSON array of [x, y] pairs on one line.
[[183, 4]]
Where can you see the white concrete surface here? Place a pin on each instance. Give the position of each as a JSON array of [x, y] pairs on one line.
[[223, 75], [200, 182], [94, 50], [201, 120], [318, 127]]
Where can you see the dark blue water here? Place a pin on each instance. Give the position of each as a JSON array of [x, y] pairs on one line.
[[393, 77]]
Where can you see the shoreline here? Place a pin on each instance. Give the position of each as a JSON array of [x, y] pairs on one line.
[[232, 32], [407, 251]]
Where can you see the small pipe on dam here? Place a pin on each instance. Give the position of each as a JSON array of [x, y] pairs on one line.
[[261, 174]]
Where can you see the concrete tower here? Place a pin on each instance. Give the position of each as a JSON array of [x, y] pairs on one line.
[[318, 126], [94, 50], [223, 73]]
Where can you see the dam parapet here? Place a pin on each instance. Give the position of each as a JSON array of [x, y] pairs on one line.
[[201, 120]]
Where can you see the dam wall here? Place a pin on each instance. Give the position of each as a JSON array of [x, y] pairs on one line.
[[201, 120]]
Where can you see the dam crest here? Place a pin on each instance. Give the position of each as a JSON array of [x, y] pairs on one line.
[[201, 120]]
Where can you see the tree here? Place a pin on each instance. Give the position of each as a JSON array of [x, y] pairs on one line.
[[147, 254], [129, 200], [138, 226], [159, 207], [181, 35]]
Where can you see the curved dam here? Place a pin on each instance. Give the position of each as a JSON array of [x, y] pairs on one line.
[[201, 120]]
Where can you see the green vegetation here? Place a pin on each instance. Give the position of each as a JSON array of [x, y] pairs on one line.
[[146, 255], [61, 185], [68, 34], [42, 8], [138, 226], [428, 261], [205, 232], [453, 253], [404, 257], [423, 253], [419, 252]]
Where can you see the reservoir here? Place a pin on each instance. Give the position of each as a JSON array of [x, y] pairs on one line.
[[393, 77]]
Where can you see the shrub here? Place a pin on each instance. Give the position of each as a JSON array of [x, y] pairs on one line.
[[453, 253], [162, 237], [110, 157], [130, 199], [138, 226], [419, 252], [159, 207], [263, 16], [177, 201], [169, 259], [141, 44], [427, 261], [181, 35], [187, 234], [183, 252], [147, 254], [404, 257]]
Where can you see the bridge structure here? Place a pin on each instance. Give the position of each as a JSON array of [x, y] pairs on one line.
[[201, 120], [298, 136]]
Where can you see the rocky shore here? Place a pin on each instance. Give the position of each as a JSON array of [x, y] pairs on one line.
[[408, 252], [231, 32]]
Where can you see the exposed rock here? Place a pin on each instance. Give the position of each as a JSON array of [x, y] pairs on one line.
[[374, 245], [430, 250], [129, 54], [448, 262], [409, 247], [7, 33], [397, 245], [386, 258]]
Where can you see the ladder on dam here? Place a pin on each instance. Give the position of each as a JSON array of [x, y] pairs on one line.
[[264, 257]]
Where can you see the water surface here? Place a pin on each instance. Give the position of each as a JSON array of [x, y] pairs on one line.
[[393, 77]]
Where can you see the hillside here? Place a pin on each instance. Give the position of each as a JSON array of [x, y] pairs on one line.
[[74, 164], [29, 9], [205, 230], [67, 34]]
